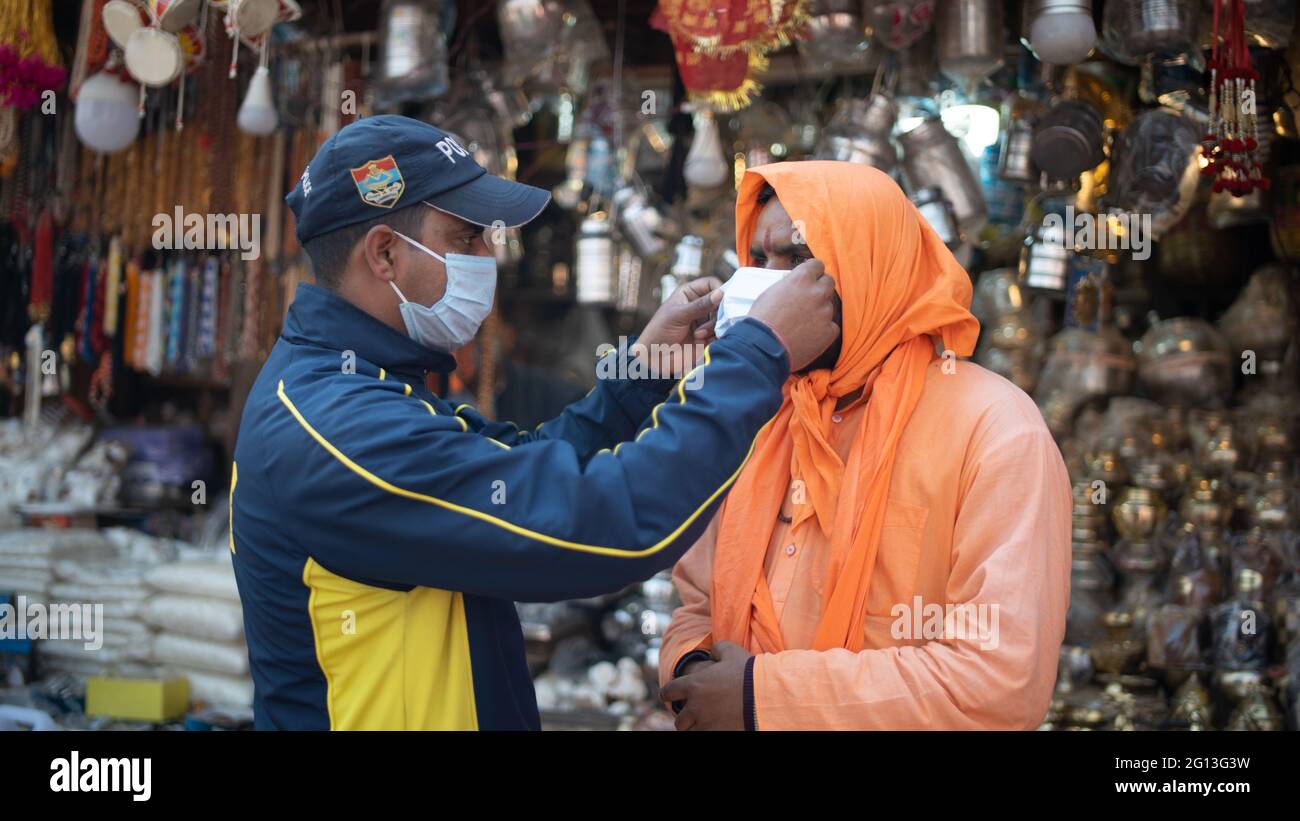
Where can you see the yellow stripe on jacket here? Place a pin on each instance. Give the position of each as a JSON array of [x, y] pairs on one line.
[[391, 660]]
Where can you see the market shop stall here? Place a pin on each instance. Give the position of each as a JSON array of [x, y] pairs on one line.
[[1120, 179]]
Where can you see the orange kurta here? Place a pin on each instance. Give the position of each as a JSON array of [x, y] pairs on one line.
[[978, 513]]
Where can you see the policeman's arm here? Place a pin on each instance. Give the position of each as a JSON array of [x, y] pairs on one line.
[[623, 398], [624, 393], [418, 500]]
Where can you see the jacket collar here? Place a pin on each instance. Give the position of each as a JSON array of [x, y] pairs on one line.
[[326, 320]]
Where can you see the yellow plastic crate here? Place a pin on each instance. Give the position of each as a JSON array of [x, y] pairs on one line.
[[137, 699]]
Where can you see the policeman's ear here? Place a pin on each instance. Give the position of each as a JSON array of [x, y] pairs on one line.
[[379, 252]]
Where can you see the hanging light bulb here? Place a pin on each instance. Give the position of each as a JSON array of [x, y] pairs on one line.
[[106, 119], [706, 166], [257, 115], [1062, 32]]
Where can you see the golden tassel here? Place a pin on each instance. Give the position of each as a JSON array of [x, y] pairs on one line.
[[28, 26]]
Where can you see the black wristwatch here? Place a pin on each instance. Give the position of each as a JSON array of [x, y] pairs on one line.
[[694, 655]]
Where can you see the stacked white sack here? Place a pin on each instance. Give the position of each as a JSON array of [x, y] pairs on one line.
[[196, 609], [27, 556], [112, 585]]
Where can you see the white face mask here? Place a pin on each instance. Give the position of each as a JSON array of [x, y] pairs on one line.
[[739, 293], [452, 321]]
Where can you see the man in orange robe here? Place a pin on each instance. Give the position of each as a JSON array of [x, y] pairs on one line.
[[896, 551]]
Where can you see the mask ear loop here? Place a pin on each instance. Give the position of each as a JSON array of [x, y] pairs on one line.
[[428, 251]]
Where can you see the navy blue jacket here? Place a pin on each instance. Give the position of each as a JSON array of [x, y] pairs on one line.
[[380, 536]]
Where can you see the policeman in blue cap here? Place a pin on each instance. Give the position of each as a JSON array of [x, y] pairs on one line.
[[380, 536]]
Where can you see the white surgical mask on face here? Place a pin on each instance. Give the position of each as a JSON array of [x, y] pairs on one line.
[[452, 321], [739, 293]]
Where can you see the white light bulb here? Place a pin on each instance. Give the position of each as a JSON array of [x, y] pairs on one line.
[[705, 166], [106, 119], [257, 115], [1062, 38]]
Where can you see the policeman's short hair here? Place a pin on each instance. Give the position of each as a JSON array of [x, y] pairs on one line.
[[329, 252]]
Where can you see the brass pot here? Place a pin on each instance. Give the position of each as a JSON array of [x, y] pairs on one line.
[[1222, 451], [1121, 649], [1204, 503], [1184, 362], [1106, 465], [1138, 513]]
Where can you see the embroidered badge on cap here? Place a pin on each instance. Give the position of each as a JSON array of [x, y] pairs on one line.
[[379, 182]]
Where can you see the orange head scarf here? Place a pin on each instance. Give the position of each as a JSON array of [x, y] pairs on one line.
[[899, 286]]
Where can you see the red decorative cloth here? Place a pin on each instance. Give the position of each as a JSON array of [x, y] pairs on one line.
[[721, 44]]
